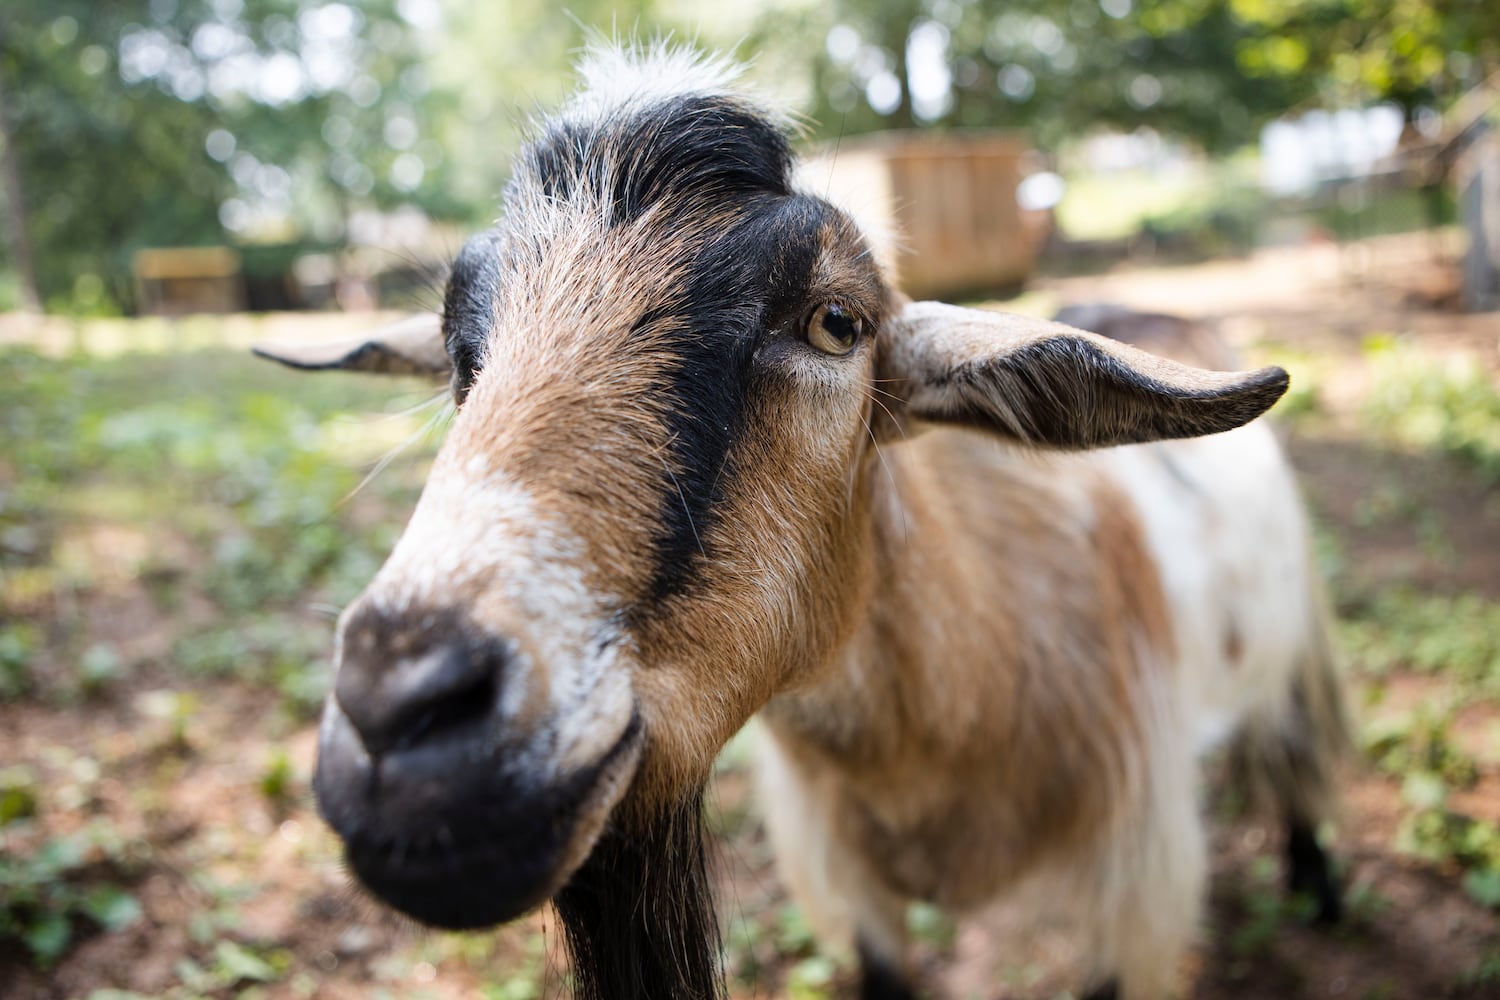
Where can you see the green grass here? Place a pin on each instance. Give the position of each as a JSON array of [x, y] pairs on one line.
[[1449, 405], [232, 480], [207, 479], [1457, 637]]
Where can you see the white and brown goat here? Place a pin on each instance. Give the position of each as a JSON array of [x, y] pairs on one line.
[[708, 463]]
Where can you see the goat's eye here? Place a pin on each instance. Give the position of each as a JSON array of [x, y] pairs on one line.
[[832, 330]]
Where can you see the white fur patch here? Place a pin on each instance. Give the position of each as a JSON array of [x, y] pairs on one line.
[[622, 76], [1226, 527]]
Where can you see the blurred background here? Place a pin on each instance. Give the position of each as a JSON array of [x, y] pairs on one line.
[[1318, 180]]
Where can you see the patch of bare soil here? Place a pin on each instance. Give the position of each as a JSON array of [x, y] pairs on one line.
[[1323, 297]]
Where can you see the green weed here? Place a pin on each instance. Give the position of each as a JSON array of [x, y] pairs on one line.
[[1486, 970], [1419, 746], [98, 669], [1456, 637], [1266, 908], [18, 642], [51, 887], [1450, 405], [276, 779]]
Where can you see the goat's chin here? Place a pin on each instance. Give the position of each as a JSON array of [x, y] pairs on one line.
[[494, 870]]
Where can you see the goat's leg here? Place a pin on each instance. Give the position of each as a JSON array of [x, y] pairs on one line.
[[1108, 990], [841, 898], [1149, 884], [1309, 872], [879, 977], [1289, 753], [1289, 764]]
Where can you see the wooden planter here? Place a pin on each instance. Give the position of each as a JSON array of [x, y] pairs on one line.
[[178, 281], [941, 208]]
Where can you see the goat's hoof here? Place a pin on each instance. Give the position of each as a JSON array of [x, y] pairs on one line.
[[1310, 873], [1107, 990]]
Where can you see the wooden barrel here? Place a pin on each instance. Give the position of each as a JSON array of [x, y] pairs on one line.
[[940, 207]]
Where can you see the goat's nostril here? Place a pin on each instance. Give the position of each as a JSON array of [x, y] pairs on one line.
[[397, 703]]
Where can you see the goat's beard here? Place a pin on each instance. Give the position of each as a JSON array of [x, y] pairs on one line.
[[638, 915]]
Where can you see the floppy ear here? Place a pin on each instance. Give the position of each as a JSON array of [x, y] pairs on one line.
[[412, 346], [1047, 384]]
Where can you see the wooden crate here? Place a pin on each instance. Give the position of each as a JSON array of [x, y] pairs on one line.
[[177, 281], [941, 208]]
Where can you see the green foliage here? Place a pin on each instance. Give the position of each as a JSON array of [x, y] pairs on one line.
[[1057, 70], [811, 978], [1457, 637], [1419, 748], [195, 453], [1486, 970], [931, 926], [1451, 405], [1267, 907], [276, 779], [1357, 50], [236, 490], [18, 794], [1443, 835], [98, 668], [522, 986], [231, 965], [177, 710], [1208, 71], [184, 123], [1358, 213], [18, 640], [50, 888]]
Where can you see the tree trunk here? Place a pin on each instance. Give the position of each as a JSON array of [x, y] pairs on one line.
[[1479, 210], [15, 209]]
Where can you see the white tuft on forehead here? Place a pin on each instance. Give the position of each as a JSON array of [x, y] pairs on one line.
[[620, 76]]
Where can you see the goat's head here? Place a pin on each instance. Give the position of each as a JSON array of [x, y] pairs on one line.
[[651, 511]]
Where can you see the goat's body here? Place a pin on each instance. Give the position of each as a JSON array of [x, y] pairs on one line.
[[962, 745], [662, 508]]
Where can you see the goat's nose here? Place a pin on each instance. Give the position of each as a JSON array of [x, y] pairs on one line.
[[395, 702]]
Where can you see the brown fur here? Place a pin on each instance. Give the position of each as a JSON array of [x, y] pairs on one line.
[[892, 716], [964, 650]]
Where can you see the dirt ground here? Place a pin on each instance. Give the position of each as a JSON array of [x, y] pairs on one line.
[[241, 891]]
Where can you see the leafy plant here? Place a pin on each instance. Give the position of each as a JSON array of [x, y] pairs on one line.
[[1448, 404], [276, 779], [1266, 907], [1457, 637], [48, 890], [17, 643]]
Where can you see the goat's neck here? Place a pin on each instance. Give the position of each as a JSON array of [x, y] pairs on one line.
[[972, 542]]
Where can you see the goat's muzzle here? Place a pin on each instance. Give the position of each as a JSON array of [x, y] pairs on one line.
[[451, 810]]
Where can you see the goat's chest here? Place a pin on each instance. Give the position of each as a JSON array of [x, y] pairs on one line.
[[952, 823]]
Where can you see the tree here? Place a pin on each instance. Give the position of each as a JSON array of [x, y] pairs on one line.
[[1415, 53], [205, 121], [1208, 70]]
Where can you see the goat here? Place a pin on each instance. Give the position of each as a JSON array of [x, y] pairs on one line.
[[707, 463]]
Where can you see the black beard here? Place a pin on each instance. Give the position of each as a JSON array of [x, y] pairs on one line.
[[639, 916]]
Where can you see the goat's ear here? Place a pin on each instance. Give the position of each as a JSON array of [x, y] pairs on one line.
[[1047, 384], [412, 346]]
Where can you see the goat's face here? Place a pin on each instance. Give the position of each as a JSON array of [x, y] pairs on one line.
[[642, 522], [651, 512]]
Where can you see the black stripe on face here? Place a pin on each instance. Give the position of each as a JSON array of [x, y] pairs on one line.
[[745, 285], [469, 304]]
